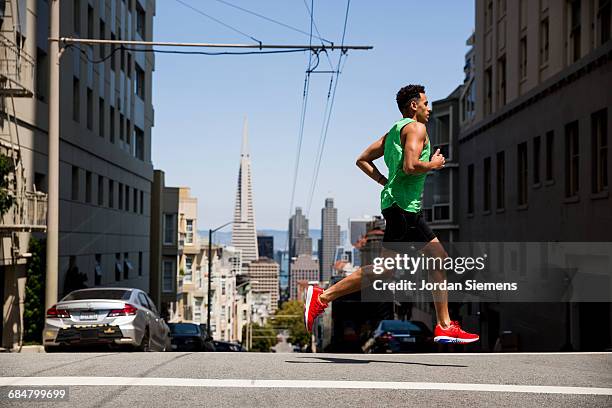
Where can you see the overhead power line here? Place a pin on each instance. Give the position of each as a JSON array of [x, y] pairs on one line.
[[189, 6], [318, 37]]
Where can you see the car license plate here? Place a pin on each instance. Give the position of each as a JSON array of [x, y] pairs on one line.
[[88, 316], [409, 340]]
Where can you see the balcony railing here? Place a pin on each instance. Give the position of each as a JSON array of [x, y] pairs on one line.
[[16, 69], [29, 213]]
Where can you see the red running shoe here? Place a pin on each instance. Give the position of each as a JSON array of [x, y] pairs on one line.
[[313, 306], [453, 334]]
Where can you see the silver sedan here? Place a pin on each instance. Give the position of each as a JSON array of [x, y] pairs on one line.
[[112, 316]]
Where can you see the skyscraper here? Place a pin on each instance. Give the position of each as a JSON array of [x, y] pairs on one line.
[[299, 241], [330, 238], [244, 235], [303, 268]]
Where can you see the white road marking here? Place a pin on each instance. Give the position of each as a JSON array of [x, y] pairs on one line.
[[246, 383]]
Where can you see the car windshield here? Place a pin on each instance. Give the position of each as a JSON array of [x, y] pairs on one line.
[[111, 294], [184, 328], [397, 325]]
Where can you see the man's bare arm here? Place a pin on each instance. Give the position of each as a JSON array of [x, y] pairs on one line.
[[414, 135], [366, 160]]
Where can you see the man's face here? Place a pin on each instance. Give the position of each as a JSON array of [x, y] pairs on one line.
[[422, 109]]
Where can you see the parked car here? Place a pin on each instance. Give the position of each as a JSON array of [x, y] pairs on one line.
[[189, 337], [228, 346], [399, 336], [107, 316]]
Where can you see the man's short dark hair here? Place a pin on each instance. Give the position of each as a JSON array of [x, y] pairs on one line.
[[407, 94]]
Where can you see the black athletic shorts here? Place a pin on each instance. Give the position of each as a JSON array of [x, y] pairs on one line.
[[404, 226]]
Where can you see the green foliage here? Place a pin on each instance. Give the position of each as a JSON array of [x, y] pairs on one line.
[[264, 337], [295, 324], [6, 168], [34, 307]]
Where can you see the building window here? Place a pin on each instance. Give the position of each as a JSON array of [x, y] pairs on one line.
[[101, 117], [470, 203], [140, 82], [523, 51], [189, 232], [521, 165], [98, 270], [100, 190], [42, 74], [537, 141], [76, 16], [140, 264], [599, 143], [111, 193], [113, 58], [88, 187], [550, 153], [169, 229], [112, 124], [501, 81], [488, 91], [544, 40], [121, 127], [168, 276], [129, 64], [572, 160], [90, 30], [487, 185], [102, 47], [76, 100], [75, 183], [128, 133], [501, 181], [118, 267], [135, 201], [141, 202], [89, 109], [603, 21], [140, 21], [139, 143], [574, 30], [120, 201], [187, 278], [127, 198], [127, 266], [489, 14]]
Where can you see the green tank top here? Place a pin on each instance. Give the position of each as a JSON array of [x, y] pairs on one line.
[[405, 190]]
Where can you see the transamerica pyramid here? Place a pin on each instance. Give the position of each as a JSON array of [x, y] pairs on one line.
[[244, 234]]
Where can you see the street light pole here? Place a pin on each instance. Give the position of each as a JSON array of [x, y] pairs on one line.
[[210, 235]]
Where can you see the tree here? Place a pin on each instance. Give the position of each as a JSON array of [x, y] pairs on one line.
[[34, 306], [264, 337], [291, 317], [6, 199]]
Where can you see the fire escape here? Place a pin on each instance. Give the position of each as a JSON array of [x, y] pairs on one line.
[[28, 211]]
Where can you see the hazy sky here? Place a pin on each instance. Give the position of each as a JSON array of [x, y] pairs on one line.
[[200, 101]]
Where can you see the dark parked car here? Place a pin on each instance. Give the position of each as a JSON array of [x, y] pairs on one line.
[[227, 346], [398, 336], [189, 337]]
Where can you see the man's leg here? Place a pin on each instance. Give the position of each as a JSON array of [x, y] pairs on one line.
[[434, 249]]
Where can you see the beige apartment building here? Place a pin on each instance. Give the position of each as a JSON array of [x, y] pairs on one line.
[[534, 160], [263, 274], [106, 116]]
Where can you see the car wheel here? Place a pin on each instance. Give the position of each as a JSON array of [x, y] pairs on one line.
[[145, 343], [52, 349]]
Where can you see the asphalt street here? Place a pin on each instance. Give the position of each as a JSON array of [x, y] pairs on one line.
[[311, 380]]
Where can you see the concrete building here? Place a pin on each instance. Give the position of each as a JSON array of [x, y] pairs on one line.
[[299, 239], [244, 234], [263, 274], [106, 118], [265, 246], [440, 196], [330, 238], [357, 229], [534, 162], [304, 267]]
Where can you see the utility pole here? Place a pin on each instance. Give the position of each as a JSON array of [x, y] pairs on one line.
[[53, 159]]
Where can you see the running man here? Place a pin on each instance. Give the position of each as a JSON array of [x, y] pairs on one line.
[[406, 149]]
